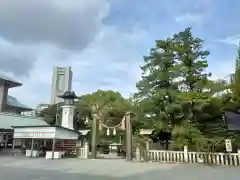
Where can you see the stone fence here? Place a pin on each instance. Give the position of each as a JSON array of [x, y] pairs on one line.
[[162, 156]]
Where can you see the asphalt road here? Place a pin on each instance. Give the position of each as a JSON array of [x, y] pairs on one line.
[[22, 168]]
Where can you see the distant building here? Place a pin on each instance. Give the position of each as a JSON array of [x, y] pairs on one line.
[[36, 111], [31, 113], [61, 82], [8, 103], [41, 107]]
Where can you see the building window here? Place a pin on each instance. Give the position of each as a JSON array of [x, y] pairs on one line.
[[60, 82]]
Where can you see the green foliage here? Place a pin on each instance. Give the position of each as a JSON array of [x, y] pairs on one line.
[[186, 134], [157, 89], [52, 114], [233, 101], [114, 106], [175, 93]]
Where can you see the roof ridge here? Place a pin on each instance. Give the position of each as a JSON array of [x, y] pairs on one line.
[[12, 101], [20, 115], [4, 77]]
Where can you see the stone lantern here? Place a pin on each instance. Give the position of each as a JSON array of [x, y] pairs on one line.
[[68, 109]]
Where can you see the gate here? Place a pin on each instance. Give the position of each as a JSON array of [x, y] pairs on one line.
[[111, 150]]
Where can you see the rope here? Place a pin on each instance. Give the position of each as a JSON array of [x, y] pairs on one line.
[[113, 127]]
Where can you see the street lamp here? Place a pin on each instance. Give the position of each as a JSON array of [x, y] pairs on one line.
[[68, 104]]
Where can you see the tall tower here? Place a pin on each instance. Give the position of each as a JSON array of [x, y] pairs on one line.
[[61, 82]]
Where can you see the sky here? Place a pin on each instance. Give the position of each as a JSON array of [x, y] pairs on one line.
[[104, 40]]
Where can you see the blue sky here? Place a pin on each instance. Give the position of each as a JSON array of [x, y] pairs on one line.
[[104, 40], [215, 21]]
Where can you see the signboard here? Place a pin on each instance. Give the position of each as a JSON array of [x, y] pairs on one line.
[[37, 135], [228, 145]]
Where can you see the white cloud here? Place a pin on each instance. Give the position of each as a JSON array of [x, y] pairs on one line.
[[194, 12], [107, 58], [68, 24], [223, 70], [39, 34], [106, 63], [190, 19], [232, 40]]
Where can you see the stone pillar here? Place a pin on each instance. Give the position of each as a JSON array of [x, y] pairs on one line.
[[78, 145], [147, 150], [138, 156], [147, 145], [95, 129], [86, 147], [53, 147], [13, 143], [238, 154], [185, 150], [44, 143], [3, 97], [128, 138], [6, 140], [32, 146]]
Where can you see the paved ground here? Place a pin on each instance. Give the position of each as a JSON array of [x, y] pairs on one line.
[[23, 168]]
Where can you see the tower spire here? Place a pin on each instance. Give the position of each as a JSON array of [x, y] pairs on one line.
[[237, 65]]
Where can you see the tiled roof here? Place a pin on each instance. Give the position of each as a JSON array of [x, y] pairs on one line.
[[8, 120], [12, 101]]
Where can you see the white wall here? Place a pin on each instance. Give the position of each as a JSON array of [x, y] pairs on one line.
[[67, 116]]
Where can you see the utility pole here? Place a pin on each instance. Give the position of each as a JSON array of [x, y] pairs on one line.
[[128, 137]]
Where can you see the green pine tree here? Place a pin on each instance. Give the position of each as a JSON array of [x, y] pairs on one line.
[[175, 91], [157, 90], [236, 82], [232, 99]]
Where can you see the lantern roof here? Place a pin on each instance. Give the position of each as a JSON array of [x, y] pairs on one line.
[[68, 95]]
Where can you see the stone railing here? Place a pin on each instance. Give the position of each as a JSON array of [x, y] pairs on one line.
[[224, 159], [82, 152]]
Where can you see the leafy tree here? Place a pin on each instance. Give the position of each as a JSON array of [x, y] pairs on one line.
[[233, 97], [52, 114], [158, 89], [115, 106], [175, 91], [202, 110]]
